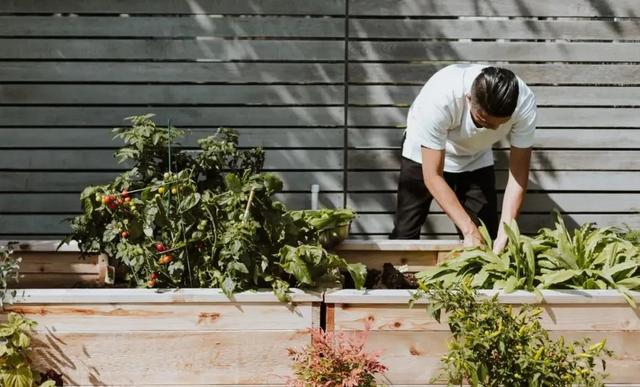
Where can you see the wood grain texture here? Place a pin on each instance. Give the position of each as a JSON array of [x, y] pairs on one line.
[[584, 8]]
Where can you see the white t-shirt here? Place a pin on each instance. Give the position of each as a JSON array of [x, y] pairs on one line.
[[439, 118]]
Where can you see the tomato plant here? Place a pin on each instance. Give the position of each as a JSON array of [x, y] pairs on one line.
[[204, 218]]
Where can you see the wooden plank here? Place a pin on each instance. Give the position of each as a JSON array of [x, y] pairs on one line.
[[408, 261], [149, 49], [543, 160], [397, 245], [129, 358], [154, 296], [170, 27], [98, 159], [578, 8], [538, 180], [528, 223], [580, 117], [69, 203], [29, 246], [603, 138], [74, 182], [179, 116], [520, 297], [171, 94], [58, 280], [200, 317], [492, 29], [556, 318], [545, 95], [533, 202], [69, 138], [228, 7], [58, 263], [480, 51], [532, 73], [106, 71]]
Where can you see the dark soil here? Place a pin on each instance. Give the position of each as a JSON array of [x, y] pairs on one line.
[[388, 278]]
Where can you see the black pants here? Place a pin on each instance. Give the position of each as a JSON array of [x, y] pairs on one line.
[[476, 191]]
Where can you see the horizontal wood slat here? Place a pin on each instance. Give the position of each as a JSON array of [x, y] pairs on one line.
[[179, 116], [532, 73], [533, 202], [368, 159], [200, 317], [258, 7], [492, 29], [128, 94], [171, 27], [70, 138], [538, 180], [365, 223], [505, 51], [96, 160], [47, 203], [211, 49], [547, 117], [601, 138], [255, 357], [75, 182], [528, 223], [578, 8], [545, 95], [113, 71]]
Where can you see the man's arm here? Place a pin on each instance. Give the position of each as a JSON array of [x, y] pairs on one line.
[[514, 193], [432, 172]]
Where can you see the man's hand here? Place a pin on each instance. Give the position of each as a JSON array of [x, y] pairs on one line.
[[500, 242], [473, 238]]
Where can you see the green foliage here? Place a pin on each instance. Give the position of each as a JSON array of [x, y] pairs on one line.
[[494, 346], [211, 223], [587, 258], [331, 225], [9, 267], [15, 368]]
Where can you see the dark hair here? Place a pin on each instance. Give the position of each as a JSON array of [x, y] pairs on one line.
[[495, 90]]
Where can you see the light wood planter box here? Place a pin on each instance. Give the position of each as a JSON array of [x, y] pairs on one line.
[[143, 337], [135, 337], [412, 342], [44, 266], [413, 255]]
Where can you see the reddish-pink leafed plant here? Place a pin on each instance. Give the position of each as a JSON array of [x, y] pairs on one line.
[[335, 360]]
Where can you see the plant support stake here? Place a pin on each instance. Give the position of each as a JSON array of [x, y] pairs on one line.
[[246, 210]]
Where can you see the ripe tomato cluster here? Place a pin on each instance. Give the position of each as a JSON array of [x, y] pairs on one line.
[[114, 201], [164, 259]]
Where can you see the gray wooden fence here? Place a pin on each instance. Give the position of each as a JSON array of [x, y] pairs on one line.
[[324, 86]]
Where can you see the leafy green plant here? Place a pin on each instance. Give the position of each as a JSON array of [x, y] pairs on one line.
[[335, 360], [332, 225], [514, 268], [587, 258], [15, 367], [494, 346], [211, 222], [9, 268]]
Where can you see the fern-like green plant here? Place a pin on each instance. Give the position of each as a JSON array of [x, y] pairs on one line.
[[15, 367]]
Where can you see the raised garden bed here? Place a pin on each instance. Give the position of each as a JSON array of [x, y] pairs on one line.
[[184, 337], [43, 266], [414, 255], [412, 342], [137, 337]]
